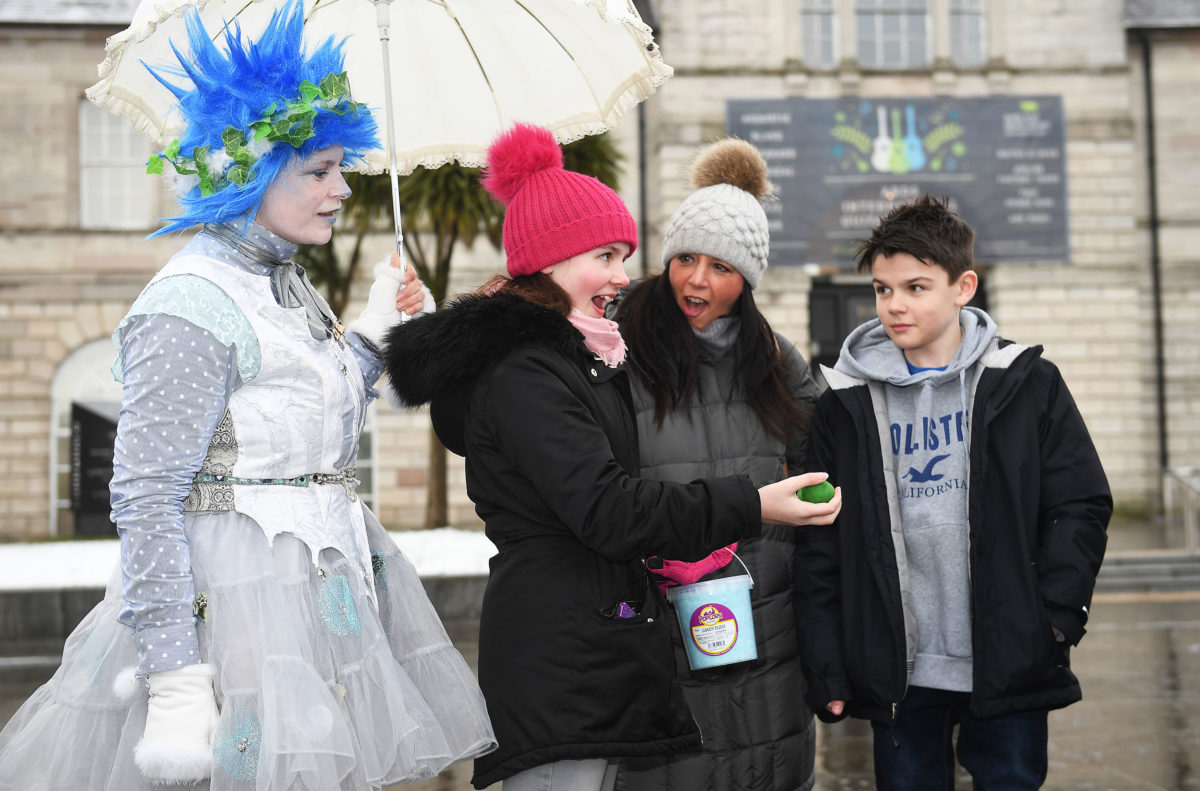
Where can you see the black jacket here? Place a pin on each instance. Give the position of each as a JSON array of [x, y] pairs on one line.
[[1038, 504], [549, 440]]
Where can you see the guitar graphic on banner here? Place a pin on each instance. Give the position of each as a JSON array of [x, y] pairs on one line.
[[913, 148], [881, 146], [899, 160]]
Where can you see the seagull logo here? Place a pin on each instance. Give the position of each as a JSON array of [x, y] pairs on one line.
[[926, 475]]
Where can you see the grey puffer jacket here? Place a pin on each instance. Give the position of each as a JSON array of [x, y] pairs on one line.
[[758, 732]]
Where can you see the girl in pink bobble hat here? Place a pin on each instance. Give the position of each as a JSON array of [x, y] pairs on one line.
[[526, 380], [551, 214]]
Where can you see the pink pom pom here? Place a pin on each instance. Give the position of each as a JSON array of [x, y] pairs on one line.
[[516, 155]]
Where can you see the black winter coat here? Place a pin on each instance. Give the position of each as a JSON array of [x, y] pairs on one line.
[[1038, 504], [549, 440]]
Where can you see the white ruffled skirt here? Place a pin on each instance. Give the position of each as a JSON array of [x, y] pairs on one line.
[[318, 688]]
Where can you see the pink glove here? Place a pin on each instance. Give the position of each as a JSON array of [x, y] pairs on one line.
[[681, 572]]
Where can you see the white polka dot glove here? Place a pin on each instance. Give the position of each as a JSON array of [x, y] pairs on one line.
[[181, 720], [380, 314]]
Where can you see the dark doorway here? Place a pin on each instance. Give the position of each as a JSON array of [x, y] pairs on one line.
[[93, 434]]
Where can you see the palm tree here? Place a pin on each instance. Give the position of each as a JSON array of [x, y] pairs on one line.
[[439, 209]]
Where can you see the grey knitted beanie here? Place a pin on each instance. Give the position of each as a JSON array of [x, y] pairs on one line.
[[723, 218]]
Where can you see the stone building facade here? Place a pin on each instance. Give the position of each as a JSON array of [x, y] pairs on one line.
[[1094, 312], [71, 263]]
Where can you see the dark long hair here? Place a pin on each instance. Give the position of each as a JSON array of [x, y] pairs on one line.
[[664, 355], [538, 288]]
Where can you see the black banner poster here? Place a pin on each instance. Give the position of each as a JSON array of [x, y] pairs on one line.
[[837, 165]]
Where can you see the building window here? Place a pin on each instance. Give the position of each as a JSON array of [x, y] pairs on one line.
[[893, 33], [368, 461], [968, 43], [114, 191], [83, 383], [818, 21]]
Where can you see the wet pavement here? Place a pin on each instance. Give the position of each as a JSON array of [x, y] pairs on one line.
[[1138, 726]]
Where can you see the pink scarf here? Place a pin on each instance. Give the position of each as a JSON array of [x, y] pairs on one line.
[[601, 336]]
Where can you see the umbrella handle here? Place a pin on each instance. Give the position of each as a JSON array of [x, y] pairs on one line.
[[383, 22]]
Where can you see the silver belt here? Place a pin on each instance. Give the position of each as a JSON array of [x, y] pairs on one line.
[[347, 477]]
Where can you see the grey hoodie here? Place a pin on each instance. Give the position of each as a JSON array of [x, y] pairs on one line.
[[926, 415]]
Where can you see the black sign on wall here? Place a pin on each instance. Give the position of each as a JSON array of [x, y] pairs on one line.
[[837, 165], [93, 434]]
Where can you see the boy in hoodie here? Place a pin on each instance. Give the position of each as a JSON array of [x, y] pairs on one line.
[[959, 574]]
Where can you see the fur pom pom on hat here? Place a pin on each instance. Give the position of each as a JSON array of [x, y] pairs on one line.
[[724, 217], [552, 214]]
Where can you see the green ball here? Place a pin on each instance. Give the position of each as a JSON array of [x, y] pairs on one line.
[[817, 493]]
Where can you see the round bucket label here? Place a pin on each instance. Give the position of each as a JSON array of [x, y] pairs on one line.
[[714, 628]]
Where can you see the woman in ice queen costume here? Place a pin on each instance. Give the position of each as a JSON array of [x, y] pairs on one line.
[[264, 632]]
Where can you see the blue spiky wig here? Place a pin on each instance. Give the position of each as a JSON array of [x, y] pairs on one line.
[[249, 110]]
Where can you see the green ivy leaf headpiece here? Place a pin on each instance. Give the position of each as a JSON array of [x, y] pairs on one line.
[[290, 123]]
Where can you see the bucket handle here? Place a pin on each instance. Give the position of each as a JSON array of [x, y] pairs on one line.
[[747, 568]]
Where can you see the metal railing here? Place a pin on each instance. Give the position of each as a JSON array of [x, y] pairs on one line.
[[1181, 500]]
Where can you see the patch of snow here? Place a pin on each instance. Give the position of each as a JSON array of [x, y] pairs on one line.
[[443, 552]]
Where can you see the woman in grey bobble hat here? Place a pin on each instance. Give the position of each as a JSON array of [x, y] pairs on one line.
[[716, 392]]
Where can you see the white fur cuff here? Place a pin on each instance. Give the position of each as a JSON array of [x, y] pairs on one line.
[[127, 685], [164, 763], [374, 326]]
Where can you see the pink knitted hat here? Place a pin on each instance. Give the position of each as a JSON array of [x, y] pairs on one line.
[[553, 214]]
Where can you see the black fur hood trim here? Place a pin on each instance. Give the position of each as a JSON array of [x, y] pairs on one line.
[[445, 352]]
